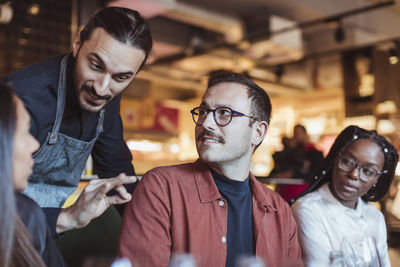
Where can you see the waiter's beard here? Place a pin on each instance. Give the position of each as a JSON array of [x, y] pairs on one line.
[[89, 100]]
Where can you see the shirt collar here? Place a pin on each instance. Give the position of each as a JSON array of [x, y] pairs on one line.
[[206, 187], [338, 208], [261, 198], [225, 184], [208, 190]]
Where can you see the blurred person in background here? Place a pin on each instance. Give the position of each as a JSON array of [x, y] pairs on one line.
[[311, 157], [214, 208], [25, 239], [286, 161], [74, 104], [359, 167], [298, 160]]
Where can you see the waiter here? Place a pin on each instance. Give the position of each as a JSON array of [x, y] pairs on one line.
[[74, 103]]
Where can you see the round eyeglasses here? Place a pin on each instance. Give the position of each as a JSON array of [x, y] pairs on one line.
[[366, 172], [222, 115]]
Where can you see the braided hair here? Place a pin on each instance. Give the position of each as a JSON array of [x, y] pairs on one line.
[[345, 138]]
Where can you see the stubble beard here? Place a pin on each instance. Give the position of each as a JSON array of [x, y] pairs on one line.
[[85, 104]]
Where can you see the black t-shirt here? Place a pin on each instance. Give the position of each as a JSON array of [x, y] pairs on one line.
[[240, 237]]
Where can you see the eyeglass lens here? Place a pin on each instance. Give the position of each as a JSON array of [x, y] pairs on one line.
[[367, 173], [222, 115]]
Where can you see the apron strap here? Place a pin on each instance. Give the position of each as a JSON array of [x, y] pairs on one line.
[[100, 123], [61, 94]]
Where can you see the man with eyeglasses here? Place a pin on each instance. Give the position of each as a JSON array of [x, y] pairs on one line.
[[214, 208]]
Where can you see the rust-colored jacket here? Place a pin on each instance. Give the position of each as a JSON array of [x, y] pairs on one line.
[[179, 209]]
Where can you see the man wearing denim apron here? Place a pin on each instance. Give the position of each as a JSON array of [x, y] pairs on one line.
[[74, 103]]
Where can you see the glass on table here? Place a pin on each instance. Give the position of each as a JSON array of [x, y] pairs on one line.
[[249, 261], [182, 260]]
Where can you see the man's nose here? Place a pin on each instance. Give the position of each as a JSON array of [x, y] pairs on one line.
[[209, 121], [102, 85]]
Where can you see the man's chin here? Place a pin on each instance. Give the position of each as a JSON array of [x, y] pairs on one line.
[[207, 157], [91, 108]]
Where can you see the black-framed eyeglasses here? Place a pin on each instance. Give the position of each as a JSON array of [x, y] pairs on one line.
[[222, 115], [366, 172]]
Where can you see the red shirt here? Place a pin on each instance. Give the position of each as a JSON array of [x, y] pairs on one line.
[[179, 209]]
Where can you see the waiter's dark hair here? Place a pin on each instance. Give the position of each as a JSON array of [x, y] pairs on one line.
[[125, 25], [261, 103], [345, 138], [16, 248]]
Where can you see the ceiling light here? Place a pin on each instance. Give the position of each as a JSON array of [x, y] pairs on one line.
[[394, 53], [386, 127], [6, 13], [386, 107], [393, 59], [34, 9], [27, 30]]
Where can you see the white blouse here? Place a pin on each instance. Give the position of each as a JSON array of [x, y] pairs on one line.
[[323, 222]]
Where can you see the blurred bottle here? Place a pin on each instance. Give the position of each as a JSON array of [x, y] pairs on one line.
[[250, 261], [182, 260], [89, 166]]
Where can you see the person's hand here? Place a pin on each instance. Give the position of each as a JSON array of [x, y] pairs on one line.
[[93, 201]]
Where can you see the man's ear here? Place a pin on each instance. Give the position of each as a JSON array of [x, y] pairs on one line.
[[76, 44], [259, 132]]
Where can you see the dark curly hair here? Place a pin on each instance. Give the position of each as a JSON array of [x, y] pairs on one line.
[[345, 138]]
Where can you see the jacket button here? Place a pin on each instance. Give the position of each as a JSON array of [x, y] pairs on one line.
[[223, 239], [221, 203]]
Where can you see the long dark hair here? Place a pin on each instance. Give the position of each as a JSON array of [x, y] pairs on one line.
[[16, 248], [345, 138]]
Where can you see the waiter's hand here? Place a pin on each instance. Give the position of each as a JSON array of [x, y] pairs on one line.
[[93, 201]]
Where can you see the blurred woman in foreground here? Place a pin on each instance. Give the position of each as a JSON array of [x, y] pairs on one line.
[[24, 237], [358, 168]]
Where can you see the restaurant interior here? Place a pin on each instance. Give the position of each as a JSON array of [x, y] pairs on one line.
[[325, 64]]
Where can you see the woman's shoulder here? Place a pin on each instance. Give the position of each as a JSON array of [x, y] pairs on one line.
[[371, 211], [307, 206], [25, 202], [29, 211], [310, 200]]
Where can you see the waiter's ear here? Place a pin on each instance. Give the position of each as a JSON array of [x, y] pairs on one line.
[[76, 44]]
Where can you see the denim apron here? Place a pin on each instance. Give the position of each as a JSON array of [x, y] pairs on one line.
[[60, 161]]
